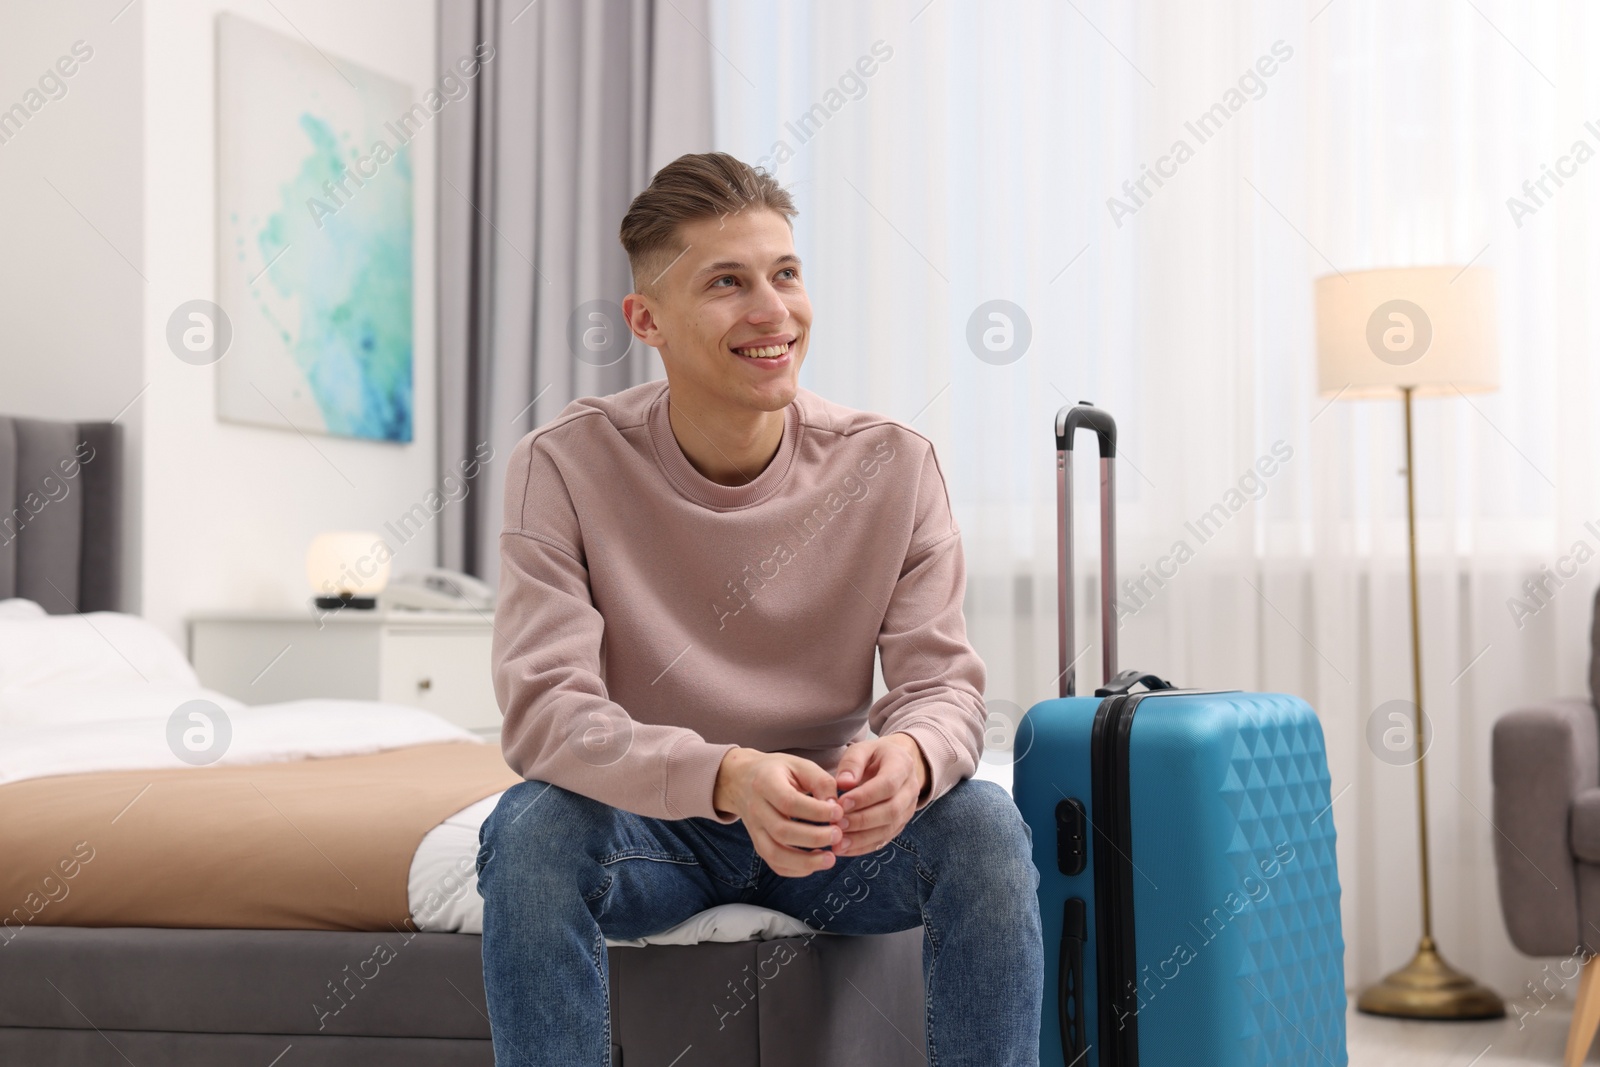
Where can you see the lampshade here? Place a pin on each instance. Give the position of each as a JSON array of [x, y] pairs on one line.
[[348, 561], [1432, 328]]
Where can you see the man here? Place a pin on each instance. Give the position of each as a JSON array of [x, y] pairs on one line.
[[695, 576]]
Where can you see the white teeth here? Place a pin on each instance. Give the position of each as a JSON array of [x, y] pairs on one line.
[[768, 352]]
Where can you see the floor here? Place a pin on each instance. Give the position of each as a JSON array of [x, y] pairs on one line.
[[1541, 1038]]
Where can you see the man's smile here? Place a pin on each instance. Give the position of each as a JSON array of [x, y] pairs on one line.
[[770, 351]]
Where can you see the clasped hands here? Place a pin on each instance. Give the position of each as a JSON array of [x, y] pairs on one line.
[[791, 806]]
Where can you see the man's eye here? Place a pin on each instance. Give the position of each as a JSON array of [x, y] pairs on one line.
[[789, 271], [724, 278]]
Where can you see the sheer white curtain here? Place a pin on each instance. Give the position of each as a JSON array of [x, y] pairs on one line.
[[949, 153]]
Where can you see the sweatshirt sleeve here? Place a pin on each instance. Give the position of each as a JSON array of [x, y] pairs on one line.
[[560, 726], [934, 677]]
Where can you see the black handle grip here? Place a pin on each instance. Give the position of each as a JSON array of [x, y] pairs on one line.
[[1085, 414], [1129, 678], [1069, 981]]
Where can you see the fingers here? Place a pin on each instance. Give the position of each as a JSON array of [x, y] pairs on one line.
[[852, 765], [859, 843], [877, 809], [872, 828], [786, 791], [798, 834], [843, 820], [812, 779], [785, 822], [882, 814], [786, 861], [874, 790]]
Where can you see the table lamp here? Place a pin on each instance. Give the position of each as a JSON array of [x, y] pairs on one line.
[[1412, 331], [347, 568]]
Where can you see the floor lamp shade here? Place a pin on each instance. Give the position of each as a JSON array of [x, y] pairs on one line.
[[1430, 328]]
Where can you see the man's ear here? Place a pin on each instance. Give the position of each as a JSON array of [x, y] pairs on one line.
[[641, 319]]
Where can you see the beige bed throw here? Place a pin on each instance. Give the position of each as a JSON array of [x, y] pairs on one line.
[[314, 844]]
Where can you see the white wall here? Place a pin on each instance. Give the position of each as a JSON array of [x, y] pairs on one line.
[[71, 222], [229, 509], [70, 183]]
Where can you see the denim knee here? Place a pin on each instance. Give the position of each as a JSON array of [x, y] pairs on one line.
[[541, 826], [988, 835]]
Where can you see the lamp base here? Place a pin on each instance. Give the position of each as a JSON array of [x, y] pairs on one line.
[[346, 600], [1429, 988]]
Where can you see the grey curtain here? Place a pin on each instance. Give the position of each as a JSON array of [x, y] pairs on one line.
[[581, 102]]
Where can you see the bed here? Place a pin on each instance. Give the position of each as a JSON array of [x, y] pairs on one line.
[[129, 932]]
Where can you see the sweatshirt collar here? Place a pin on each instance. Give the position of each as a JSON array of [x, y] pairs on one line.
[[697, 487]]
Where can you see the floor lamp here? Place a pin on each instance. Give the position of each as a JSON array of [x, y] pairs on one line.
[[1407, 332]]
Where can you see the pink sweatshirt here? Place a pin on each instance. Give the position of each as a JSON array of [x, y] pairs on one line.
[[650, 619]]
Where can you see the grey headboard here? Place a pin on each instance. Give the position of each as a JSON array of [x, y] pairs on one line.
[[61, 514]]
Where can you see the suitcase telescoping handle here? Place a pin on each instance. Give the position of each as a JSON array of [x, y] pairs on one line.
[[1069, 420]]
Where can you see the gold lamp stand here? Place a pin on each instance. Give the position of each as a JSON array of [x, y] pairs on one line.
[[1427, 987]]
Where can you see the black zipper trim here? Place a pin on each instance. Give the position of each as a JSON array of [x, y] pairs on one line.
[[1116, 955]]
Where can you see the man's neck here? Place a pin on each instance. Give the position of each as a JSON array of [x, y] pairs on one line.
[[728, 448]]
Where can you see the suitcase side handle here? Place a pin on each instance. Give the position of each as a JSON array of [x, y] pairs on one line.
[[1069, 420], [1069, 981]]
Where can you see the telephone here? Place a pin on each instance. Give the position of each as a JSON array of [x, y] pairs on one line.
[[438, 590]]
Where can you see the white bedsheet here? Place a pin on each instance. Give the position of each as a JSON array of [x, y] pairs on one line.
[[265, 733]]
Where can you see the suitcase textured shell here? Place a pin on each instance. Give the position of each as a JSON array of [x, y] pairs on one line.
[[1234, 882]]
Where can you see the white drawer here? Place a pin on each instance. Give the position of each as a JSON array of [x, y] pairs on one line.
[[445, 671]]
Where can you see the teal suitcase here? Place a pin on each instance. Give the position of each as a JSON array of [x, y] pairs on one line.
[[1189, 888]]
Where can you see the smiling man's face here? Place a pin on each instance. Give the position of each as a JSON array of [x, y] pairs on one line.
[[730, 316]]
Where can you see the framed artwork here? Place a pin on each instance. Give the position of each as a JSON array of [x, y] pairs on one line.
[[314, 234]]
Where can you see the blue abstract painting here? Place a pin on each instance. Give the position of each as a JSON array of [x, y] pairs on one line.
[[315, 226]]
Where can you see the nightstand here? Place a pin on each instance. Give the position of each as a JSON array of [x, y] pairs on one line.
[[434, 660]]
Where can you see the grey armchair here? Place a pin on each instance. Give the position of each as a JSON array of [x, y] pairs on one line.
[[1546, 768]]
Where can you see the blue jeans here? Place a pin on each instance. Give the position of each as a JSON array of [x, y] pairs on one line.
[[560, 872]]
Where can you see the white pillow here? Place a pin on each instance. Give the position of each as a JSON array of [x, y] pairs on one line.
[[101, 646], [18, 608], [77, 703]]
